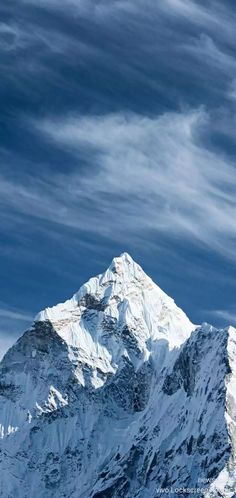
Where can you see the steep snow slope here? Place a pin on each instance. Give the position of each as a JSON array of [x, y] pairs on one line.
[[113, 394]]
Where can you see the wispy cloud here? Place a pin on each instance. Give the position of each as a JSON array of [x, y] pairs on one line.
[[206, 50], [228, 316], [210, 15], [145, 174], [15, 315], [158, 173], [203, 31]]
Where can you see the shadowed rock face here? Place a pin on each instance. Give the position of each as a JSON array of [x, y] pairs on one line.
[[111, 395]]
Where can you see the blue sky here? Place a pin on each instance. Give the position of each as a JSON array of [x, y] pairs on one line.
[[117, 134]]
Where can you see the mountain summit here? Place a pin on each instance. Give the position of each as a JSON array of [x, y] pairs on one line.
[[115, 393]]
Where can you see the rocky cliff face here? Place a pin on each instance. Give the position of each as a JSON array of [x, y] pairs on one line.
[[114, 393]]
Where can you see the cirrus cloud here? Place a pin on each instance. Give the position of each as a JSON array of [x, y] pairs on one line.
[[144, 175]]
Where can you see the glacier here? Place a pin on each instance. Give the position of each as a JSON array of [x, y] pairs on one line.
[[116, 394]]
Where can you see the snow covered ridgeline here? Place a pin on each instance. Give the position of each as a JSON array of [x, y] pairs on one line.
[[114, 394]]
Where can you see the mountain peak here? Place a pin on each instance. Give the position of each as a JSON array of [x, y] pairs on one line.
[[121, 298], [124, 257], [125, 267], [123, 260]]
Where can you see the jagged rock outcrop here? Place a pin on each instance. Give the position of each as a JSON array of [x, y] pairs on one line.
[[115, 393]]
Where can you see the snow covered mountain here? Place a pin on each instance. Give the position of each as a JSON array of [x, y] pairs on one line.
[[116, 394]]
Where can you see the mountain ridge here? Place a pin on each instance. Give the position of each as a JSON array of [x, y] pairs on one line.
[[119, 358]]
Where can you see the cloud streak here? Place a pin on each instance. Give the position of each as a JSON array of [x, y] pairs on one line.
[[170, 181], [15, 315], [127, 43], [226, 315], [145, 175]]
